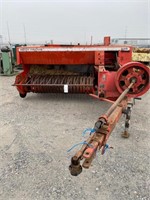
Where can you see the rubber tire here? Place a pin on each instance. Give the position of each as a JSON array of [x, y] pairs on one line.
[[23, 95]]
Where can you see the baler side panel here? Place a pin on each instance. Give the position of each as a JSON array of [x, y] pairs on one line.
[[18, 56], [57, 58], [124, 57]]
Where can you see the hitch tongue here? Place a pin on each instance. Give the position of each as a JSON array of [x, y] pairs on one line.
[[75, 167], [103, 128]]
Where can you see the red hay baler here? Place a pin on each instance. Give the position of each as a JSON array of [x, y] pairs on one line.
[[103, 71]]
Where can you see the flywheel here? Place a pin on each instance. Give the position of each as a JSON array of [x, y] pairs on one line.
[[137, 71]]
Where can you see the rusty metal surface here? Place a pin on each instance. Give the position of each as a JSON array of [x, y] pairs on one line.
[[96, 142]]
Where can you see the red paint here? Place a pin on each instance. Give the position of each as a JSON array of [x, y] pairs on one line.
[[101, 57]]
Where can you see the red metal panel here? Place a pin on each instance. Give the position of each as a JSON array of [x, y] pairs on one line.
[[99, 57], [82, 54], [56, 58], [18, 56], [107, 40], [124, 57], [106, 84]]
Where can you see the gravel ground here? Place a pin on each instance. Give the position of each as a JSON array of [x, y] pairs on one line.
[[36, 132]]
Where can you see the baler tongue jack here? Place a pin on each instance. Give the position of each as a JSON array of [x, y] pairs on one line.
[[103, 128]]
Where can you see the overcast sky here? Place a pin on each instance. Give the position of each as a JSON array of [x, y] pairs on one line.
[[73, 21]]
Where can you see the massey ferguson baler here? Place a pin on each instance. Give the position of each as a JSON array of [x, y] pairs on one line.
[[102, 71]]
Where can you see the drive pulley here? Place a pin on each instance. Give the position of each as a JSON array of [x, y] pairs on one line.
[[133, 70]]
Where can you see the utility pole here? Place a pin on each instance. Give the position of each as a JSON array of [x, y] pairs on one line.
[[25, 38], [126, 28], [125, 35], [8, 33], [91, 39], [1, 41]]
